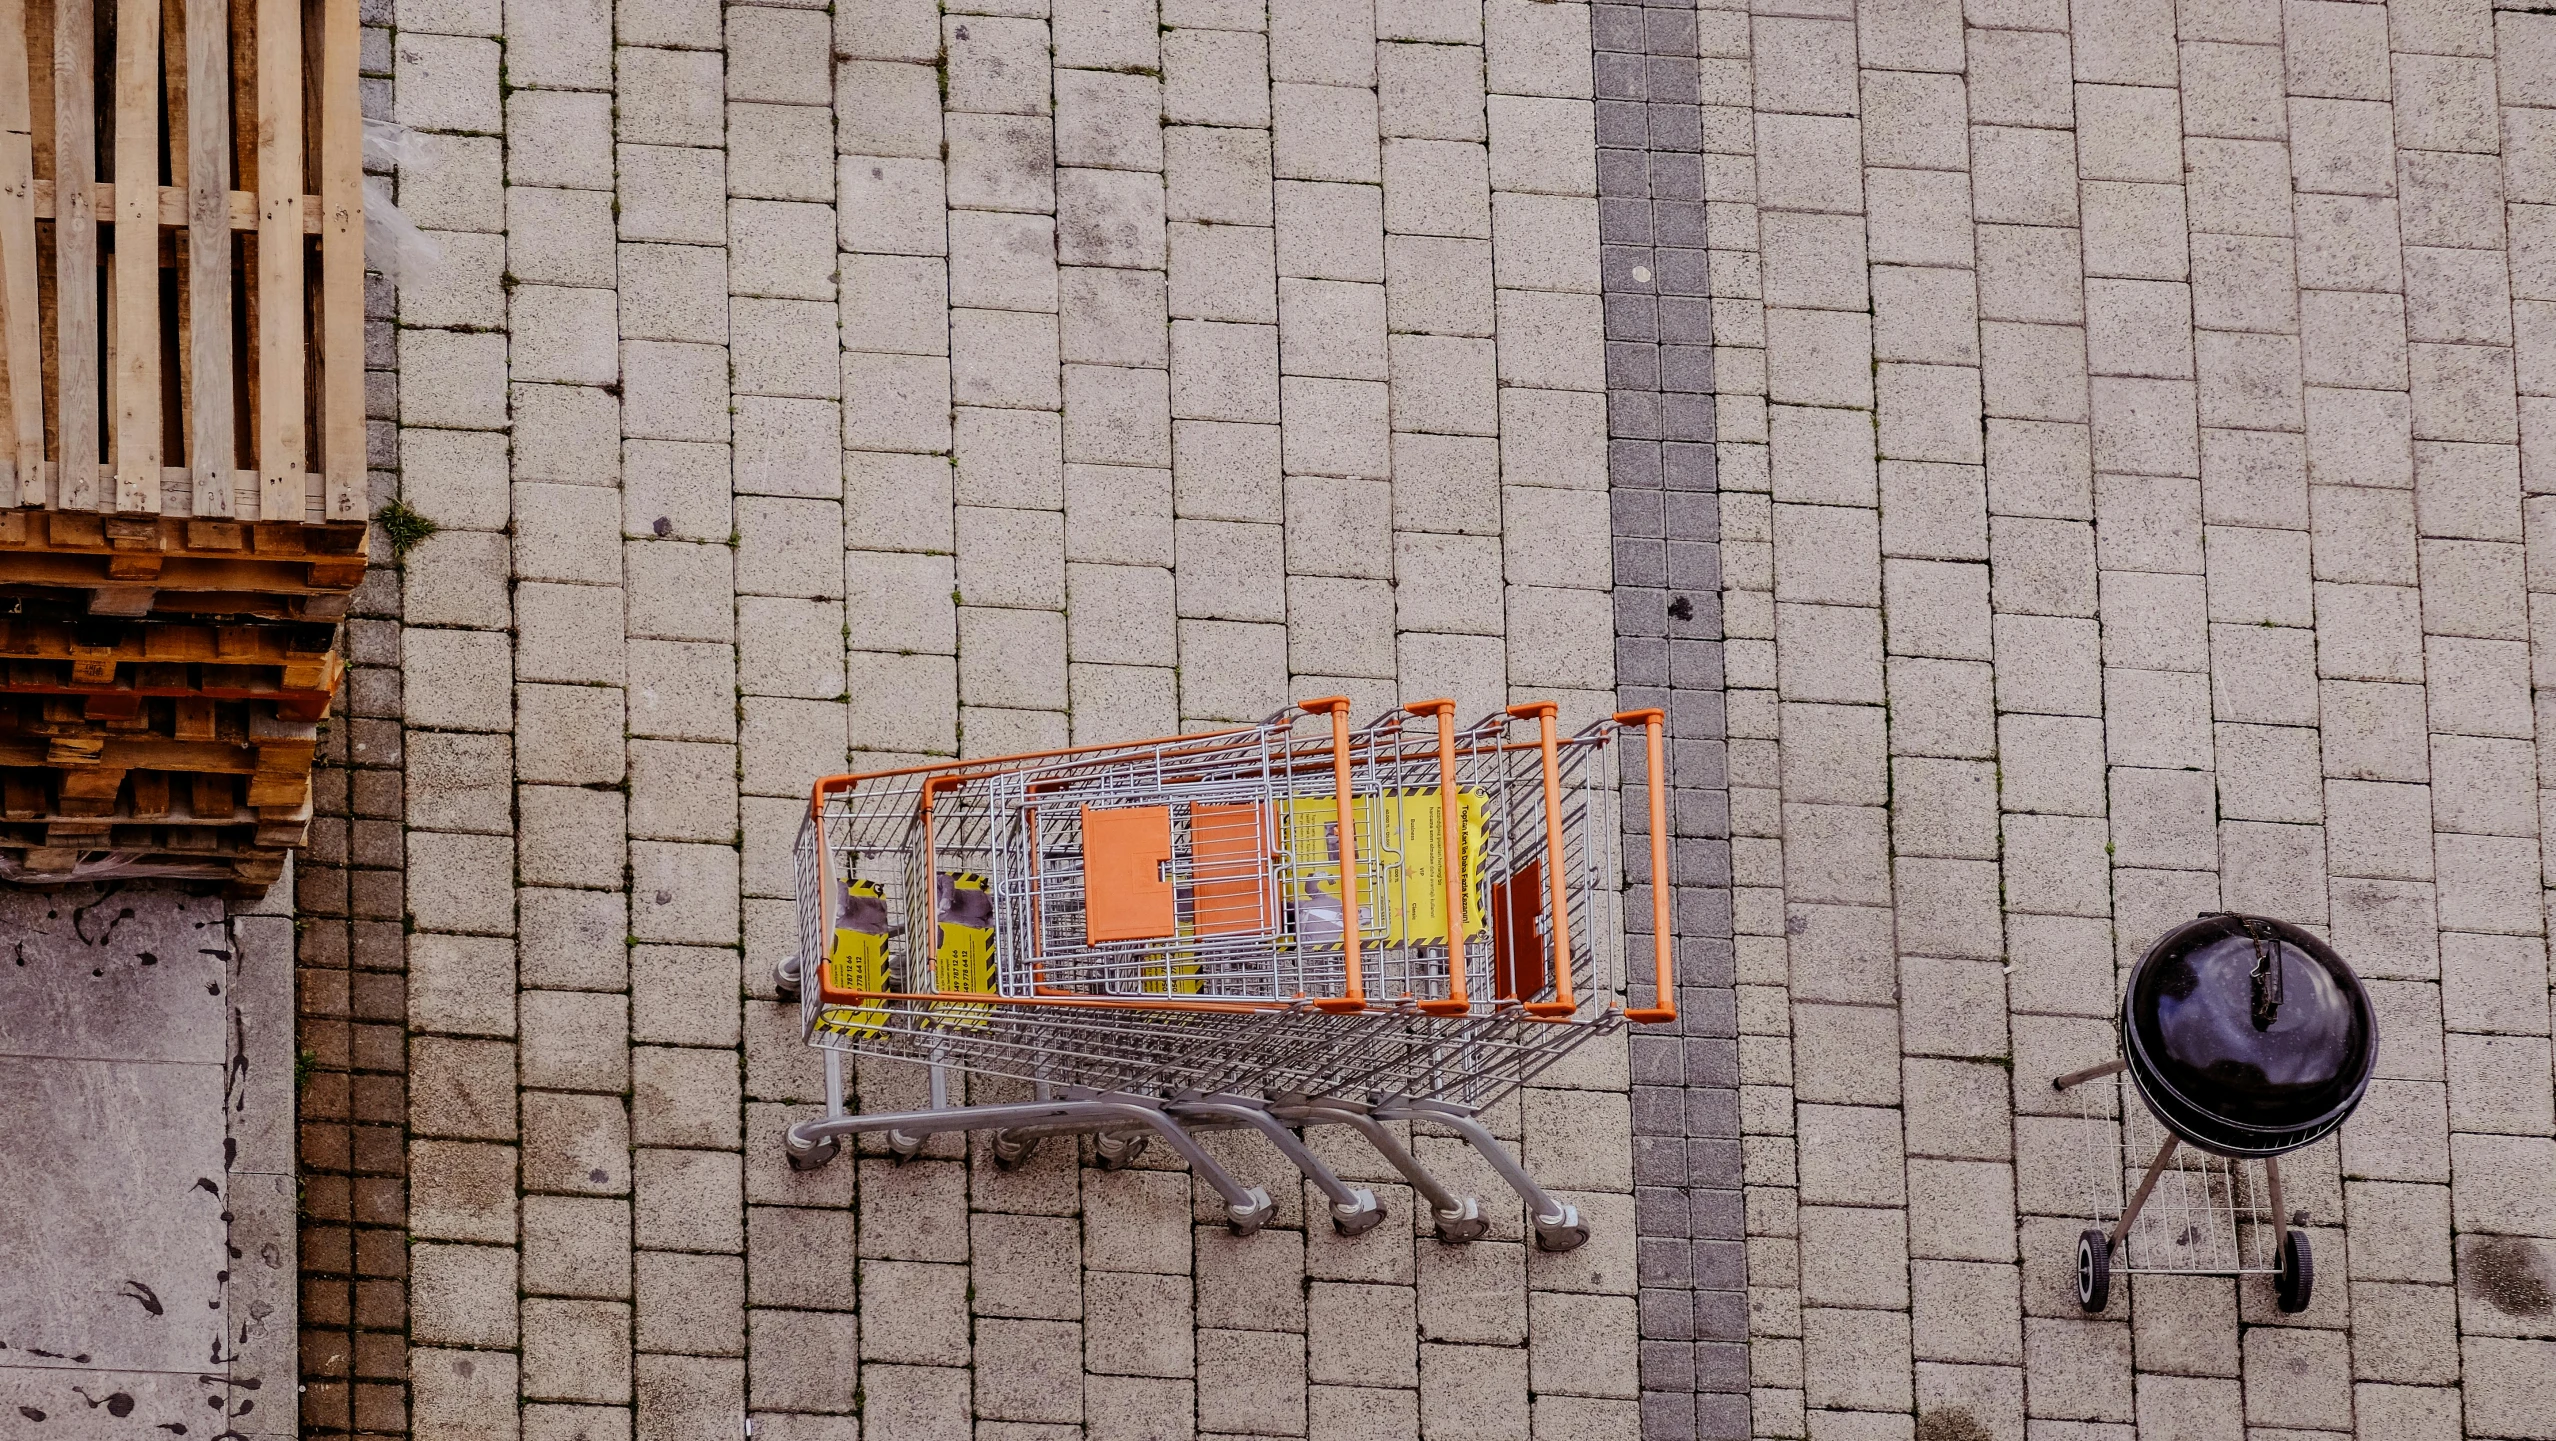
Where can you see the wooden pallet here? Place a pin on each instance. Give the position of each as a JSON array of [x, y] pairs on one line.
[[154, 680], [294, 665], [150, 571], [135, 540], [218, 743], [145, 598], [243, 874], [221, 378], [33, 790], [46, 800]]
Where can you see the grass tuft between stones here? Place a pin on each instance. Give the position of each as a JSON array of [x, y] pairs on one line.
[[403, 528]]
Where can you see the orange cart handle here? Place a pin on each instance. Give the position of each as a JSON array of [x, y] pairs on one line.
[[1451, 822], [1558, 882], [1663, 1005], [1354, 993]]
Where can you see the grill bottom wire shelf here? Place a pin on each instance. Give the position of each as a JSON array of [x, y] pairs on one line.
[[2157, 1206], [1275, 1073]]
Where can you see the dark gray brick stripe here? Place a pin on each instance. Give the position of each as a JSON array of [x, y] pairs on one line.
[[1668, 653]]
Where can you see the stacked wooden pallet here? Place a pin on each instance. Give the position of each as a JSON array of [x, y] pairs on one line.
[[182, 483]]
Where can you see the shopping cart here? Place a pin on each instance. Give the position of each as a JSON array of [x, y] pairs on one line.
[[1180, 934]]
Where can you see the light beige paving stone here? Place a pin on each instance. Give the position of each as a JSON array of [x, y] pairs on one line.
[[2296, 648]]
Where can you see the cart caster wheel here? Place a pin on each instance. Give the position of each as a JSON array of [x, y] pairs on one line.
[[2294, 1284], [1465, 1223], [1359, 1219], [903, 1146], [1117, 1153], [1245, 1221], [2094, 1270], [1566, 1232], [1012, 1152], [816, 1157], [785, 977]]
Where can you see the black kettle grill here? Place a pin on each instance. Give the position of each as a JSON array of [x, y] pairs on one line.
[[2247, 1038]]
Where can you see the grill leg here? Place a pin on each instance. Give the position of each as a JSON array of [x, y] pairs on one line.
[[2139, 1198], [1353, 1208], [2280, 1216], [1558, 1226]]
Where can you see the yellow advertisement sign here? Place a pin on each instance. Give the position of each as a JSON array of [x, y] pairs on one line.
[[857, 959], [963, 948], [1412, 910]]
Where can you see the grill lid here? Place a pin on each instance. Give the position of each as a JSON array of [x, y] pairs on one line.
[[2247, 1036]]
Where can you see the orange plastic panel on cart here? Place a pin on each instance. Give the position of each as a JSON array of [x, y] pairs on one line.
[[1126, 895], [1233, 890]]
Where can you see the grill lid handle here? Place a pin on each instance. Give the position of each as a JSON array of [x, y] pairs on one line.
[[2267, 974]]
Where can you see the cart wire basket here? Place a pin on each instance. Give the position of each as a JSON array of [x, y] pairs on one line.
[[1175, 934]]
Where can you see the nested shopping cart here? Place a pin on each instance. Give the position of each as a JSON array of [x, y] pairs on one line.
[[1182, 934]]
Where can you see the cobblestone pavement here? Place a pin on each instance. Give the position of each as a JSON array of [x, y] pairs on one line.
[[805, 388], [2227, 603]]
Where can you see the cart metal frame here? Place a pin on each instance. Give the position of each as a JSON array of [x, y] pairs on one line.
[[1447, 994]]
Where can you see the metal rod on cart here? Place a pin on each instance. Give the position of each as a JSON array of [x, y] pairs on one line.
[[1354, 995], [908, 1142], [1452, 1210], [1353, 1208], [1451, 823], [1547, 1211], [2074, 1078], [1563, 1003], [833, 1082], [1663, 1005], [2147, 1183], [930, 944]]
